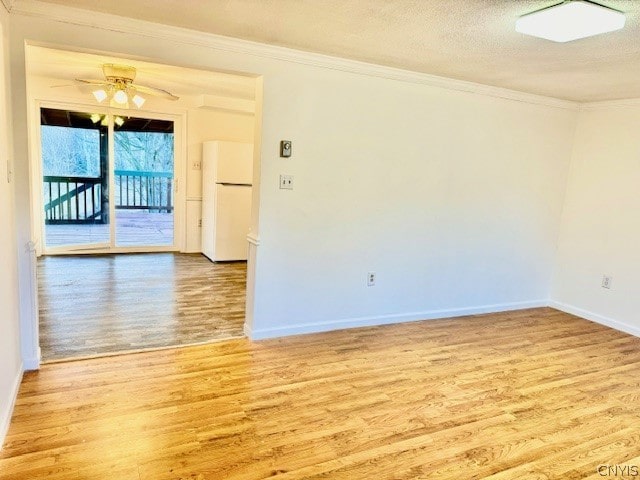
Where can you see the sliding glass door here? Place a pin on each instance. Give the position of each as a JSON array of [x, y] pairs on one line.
[[75, 179], [144, 200], [107, 181]]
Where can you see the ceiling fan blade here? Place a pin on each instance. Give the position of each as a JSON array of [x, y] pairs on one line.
[[158, 92], [91, 81]]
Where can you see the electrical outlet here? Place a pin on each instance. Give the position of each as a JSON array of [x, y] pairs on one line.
[[371, 279], [286, 182], [606, 281], [197, 165]]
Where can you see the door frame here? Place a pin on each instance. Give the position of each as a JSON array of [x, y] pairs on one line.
[[37, 190]]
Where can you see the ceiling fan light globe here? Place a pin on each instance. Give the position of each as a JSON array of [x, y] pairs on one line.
[[120, 97], [100, 95], [138, 100]]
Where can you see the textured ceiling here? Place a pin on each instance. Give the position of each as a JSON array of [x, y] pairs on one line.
[[470, 40], [59, 68]]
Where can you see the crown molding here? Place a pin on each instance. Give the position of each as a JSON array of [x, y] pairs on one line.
[[87, 18], [629, 102]]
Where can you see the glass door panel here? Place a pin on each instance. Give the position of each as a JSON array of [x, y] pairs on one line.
[[143, 181], [75, 176]]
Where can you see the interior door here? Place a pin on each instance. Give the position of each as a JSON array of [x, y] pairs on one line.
[[75, 179]]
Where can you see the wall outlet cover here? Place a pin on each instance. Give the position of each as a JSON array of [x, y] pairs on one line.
[[286, 182], [371, 279]]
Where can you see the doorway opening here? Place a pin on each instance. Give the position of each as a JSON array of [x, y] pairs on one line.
[[117, 208]]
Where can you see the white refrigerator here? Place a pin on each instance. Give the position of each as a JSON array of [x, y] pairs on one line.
[[227, 172]]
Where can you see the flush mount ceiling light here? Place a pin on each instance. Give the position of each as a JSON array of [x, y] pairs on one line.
[[570, 20]]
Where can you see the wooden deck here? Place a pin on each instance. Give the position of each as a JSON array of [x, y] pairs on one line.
[[104, 304], [534, 394], [133, 228]]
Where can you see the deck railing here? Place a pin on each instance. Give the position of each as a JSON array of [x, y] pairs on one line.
[[70, 199], [138, 190]]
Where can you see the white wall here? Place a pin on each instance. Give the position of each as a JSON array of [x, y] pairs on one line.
[[10, 364], [600, 231], [452, 198]]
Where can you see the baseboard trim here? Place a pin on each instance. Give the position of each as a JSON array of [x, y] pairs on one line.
[[31, 363], [594, 317], [247, 330], [5, 419], [317, 327]]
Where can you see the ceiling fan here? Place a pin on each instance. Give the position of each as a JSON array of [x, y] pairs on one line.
[[118, 87]]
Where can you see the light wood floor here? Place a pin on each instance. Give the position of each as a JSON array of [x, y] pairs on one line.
[[535, 394], [92, 305]]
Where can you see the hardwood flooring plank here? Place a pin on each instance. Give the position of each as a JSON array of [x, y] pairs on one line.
[[106, 304], [528, 394]]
